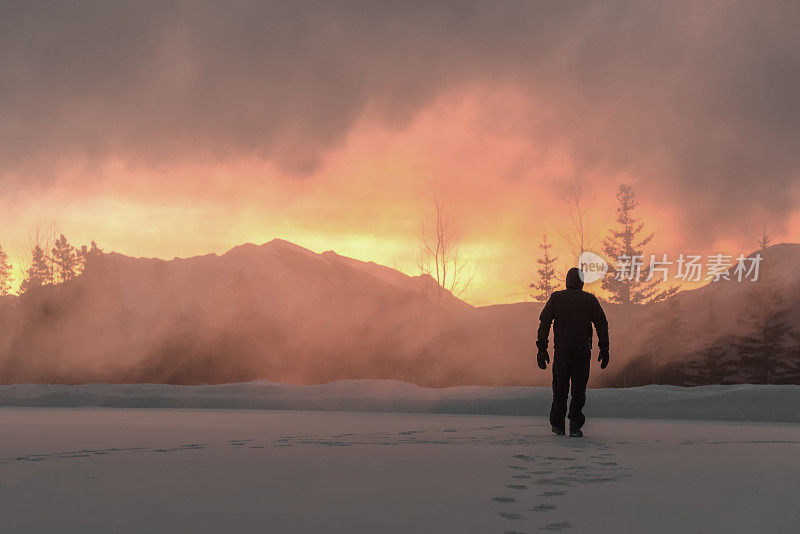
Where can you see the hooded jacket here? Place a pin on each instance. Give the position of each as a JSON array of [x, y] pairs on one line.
[[573, 312]]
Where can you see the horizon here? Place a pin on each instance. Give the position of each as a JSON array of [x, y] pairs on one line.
[[593, 287]]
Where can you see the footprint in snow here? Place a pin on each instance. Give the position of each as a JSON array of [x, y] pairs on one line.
[[554, 481], [187, 447], [576, 468], [546, 507], [556, 526], [510, 515]]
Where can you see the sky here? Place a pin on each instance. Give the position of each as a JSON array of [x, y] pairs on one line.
[[166, 129]]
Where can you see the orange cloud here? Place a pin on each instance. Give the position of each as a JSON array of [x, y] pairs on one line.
[[366, 200]]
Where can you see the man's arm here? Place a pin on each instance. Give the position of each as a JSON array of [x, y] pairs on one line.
[[545, 319], [600, 325]]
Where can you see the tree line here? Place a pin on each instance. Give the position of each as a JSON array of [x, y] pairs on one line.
[[58, 265], [765, 347], [627, 239]]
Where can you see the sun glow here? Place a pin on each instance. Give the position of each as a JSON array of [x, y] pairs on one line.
[[366, 201]]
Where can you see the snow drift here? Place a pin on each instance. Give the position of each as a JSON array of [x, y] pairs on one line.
[[725, 403]]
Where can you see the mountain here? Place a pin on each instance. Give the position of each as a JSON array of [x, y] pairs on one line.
[[276, 311], [283, 313]]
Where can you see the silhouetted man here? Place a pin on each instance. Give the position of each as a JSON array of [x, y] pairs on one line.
[[574, 311]]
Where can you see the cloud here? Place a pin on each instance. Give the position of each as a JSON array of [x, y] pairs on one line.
[[694, 101]]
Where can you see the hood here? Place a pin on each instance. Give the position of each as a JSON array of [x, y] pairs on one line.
[[574, 280]]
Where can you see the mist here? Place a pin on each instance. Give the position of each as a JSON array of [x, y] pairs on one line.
[[184, 128], [277, 312], [283, 313]]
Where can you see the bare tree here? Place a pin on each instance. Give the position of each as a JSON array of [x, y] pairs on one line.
[[439, 255], [577, 234]]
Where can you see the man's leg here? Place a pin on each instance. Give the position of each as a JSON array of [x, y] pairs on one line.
[[580, 377], [558, 410]]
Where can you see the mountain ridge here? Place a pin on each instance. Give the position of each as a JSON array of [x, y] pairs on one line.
[[281, 312]]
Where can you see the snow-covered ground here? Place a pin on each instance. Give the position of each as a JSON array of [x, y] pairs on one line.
[[759, 403], [189, 470]]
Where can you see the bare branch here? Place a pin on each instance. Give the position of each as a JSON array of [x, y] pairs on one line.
[[439, 255]]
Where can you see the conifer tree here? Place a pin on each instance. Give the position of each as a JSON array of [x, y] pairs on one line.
[[762, 350], [65, 260], [85, 253], [765, 240], [792, 372], [40, 272], [546, 284], [5, 273], [627, 241], [666, 337], [709, 361]]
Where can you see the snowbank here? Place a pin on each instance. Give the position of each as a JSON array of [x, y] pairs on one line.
[[726, 403]]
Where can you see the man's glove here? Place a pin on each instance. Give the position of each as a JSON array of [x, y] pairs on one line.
[[603, 358], [542, 358]]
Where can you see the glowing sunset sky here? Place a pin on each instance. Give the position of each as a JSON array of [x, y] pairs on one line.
[[180, 128]]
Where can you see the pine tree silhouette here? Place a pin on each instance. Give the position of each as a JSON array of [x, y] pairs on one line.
[[65, 260], [666, 339], [85, 254], [546, 271], [627, 240], [765, 240], [792, 372], [40, 272], [762, 350], [708, 363], [5, 273]]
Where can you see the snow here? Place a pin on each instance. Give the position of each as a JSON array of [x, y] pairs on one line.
[[762, 403], [256, 457], [195, 470]]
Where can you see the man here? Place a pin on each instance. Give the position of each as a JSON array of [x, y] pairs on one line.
[[573, 311]]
